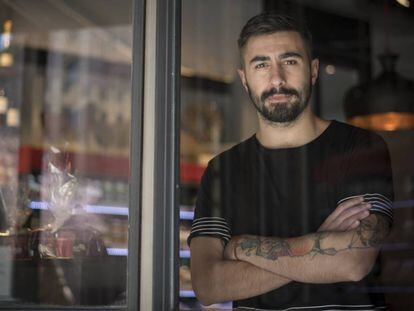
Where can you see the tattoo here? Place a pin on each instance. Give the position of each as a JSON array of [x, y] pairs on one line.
[[318, 249], [267, 248], [371, 233]]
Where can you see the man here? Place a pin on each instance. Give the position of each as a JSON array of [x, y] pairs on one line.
[[293, 217]]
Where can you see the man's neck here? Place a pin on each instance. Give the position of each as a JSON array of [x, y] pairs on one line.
[[303, 130]]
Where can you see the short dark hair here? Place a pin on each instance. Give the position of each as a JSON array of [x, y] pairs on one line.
[[267, 23]]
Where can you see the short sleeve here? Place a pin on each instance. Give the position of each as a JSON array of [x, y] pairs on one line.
[[368, 172], [209, 216]]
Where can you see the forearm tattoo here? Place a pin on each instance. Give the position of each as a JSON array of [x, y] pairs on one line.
[[371, 233], [268, 248]]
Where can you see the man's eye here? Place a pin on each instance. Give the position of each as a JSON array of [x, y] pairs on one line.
[[260, 66], [290, 62]]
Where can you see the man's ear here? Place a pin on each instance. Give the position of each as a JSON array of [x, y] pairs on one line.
[[314, 70], [242, 76]]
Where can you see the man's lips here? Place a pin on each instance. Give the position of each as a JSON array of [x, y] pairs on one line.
[[278, 97], [282, 95]]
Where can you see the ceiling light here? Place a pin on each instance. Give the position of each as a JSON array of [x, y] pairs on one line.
[[3, 104], [6, 59], [405, 3], [330, 69], [389, 121], [13, 117]]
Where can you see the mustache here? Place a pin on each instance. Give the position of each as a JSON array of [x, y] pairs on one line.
[[282, 91]]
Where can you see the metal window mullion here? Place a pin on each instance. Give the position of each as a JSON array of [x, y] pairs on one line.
[[166, 181], [134, 219], [160, 156], [148, 155]]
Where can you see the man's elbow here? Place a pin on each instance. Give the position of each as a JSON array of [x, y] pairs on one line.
[[361, 266], [360, 272], [205, 294], [204, 297], [204, 288], [200, 287]]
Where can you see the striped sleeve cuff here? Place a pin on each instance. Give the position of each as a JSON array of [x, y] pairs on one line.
[[212, 227], [379, 204]]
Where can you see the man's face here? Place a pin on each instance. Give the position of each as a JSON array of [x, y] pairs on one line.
[[278, 75]]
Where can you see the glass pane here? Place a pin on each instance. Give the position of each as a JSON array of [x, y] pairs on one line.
[[272, 168], [214, 112], [65, 69]]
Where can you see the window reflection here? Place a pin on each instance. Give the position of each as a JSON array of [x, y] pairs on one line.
[[64, 140]]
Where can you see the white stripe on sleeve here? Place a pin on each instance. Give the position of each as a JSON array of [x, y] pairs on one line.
[[211, 226]]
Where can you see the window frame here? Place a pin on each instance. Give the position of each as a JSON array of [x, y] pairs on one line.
[[159, 210], [156, 27]]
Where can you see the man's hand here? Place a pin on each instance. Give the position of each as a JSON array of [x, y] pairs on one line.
[[230, 249], [347, 215]]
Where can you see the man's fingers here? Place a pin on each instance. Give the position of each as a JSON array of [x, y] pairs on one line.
[[346, 205], [347, 218], [345, 214], [354, 210], [353, 226], [350, 221]]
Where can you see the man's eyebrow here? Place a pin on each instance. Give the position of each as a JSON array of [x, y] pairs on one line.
[[259, 58], [262, 58], [290, 54]]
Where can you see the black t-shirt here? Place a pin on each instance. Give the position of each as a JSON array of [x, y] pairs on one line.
[[250, 189]]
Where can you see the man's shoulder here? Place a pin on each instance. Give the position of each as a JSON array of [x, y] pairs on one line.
[[349, 129], [355, 137], [236, 154]]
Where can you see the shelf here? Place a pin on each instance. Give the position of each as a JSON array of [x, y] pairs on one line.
[[186, 215], [187, 294], [31, 159], [99, 165], [184, 253], [92, 209], [117, 251], [107, 210], [114, 251]]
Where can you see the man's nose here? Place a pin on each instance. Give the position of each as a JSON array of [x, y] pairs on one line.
[[277, 76]]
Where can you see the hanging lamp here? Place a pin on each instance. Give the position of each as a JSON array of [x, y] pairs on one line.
[[385, 103]]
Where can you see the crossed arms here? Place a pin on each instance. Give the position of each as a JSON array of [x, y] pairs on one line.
[[344, 249]]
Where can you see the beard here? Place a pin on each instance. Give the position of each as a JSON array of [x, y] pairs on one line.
[[281, 112]]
